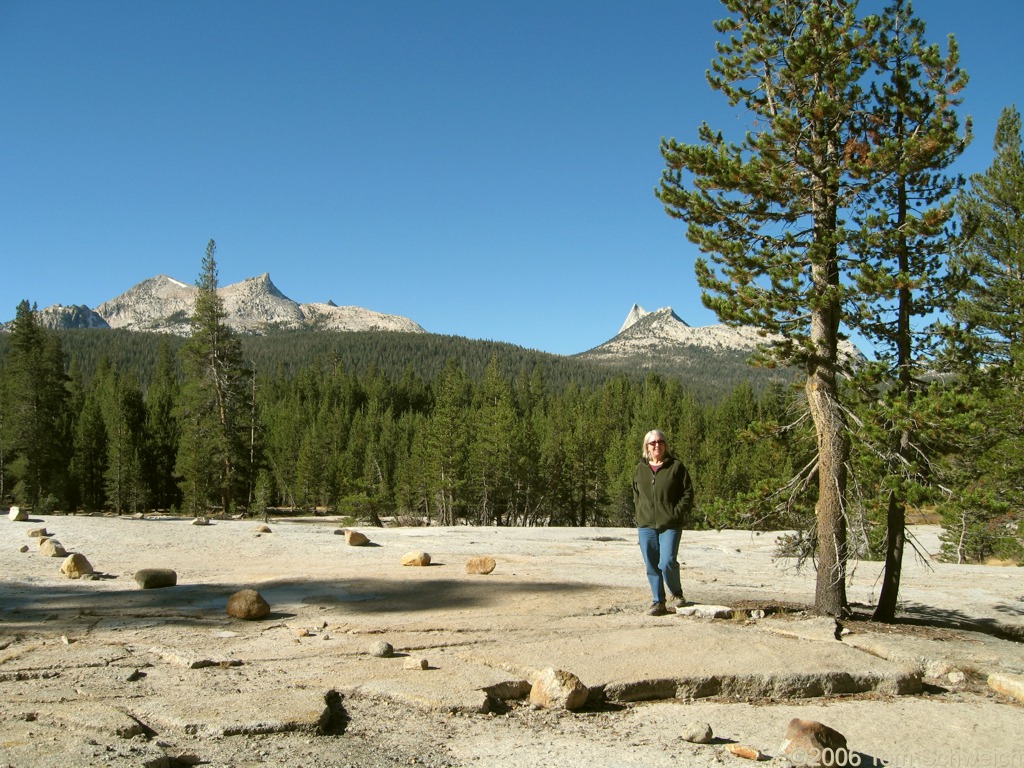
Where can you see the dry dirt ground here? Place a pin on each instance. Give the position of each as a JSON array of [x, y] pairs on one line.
[[100, 672]]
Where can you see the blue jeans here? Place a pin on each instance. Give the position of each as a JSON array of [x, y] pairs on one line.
[[661, 550]]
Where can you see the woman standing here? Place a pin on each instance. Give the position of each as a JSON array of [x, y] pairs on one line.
[[663, 497]]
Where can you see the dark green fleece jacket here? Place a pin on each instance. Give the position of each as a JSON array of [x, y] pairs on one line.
[[663, 499]]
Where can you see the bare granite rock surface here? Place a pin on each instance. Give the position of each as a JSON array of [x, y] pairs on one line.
[[104, 672]]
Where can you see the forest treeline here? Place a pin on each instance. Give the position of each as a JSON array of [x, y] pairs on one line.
[[495, 435]]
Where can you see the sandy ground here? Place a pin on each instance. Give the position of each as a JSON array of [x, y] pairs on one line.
[[98, 672]]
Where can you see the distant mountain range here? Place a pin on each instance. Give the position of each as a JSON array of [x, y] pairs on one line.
[[658, 341], [162, 304]]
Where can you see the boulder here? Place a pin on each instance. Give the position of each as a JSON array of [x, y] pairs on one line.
[[480, 565], [355, 538], [697, 732], [38, 533], [263, 528], [156, 578], [51, 548], [17, 514], [76, 566], [382, 650], [813, 744], [201, 521], [415, 558], [558, 689], [248, 604]]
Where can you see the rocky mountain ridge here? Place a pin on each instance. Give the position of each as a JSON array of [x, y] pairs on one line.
[[652, 339], [658, 341], [255, 306]]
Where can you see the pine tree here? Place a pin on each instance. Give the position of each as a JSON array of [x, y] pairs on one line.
[[163, 434], [898, 267], [774, 211], [213, 407], [986, 350], [448, 444], [36, 446]]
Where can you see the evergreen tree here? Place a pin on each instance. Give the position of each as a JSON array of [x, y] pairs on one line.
[[773, 211], [124, 414], [448, 444], [163, 435], [213, 406], [36, 445], [986, 514], [912, 134], [89, 458]]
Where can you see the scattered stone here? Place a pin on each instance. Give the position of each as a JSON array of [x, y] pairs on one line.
[[17, 514], [355, 538], [24, 548], [263, 528], [1007, 684], [201, 521], [812, 744], [558, 689], [957, 677], [415, 663], [481, 565], [416, 558], [156, 578], [302, 632], [742, 750], [38, 533], [706, 611], [51, 548], [697, 732], [194, 662], [248, 604], [76, 566], [382, 650]]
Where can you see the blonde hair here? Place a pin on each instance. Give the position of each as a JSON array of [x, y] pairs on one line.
[[647, 438]]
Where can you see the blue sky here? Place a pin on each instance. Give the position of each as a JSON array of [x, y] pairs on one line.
[[485, 169]]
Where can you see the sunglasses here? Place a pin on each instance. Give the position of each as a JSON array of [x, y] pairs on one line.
[[656, 442]]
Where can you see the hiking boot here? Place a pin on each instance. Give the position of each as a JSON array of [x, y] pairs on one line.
[[657, 609], [679, 601]]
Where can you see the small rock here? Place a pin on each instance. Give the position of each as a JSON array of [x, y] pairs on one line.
[[76, 566], [1007, 684], [355, 538], [201, 521], [24, 548], [697, 732], [382, 650], [38, 533], [757, 613], [481, 565], [51, 548], [302, 632], [742, 750], [558, 689], [706, 611], [416, 558], [810, 743], [17, 514], [414, 663], [156, 578], [248, 604], [263, 528], [957, 677]]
